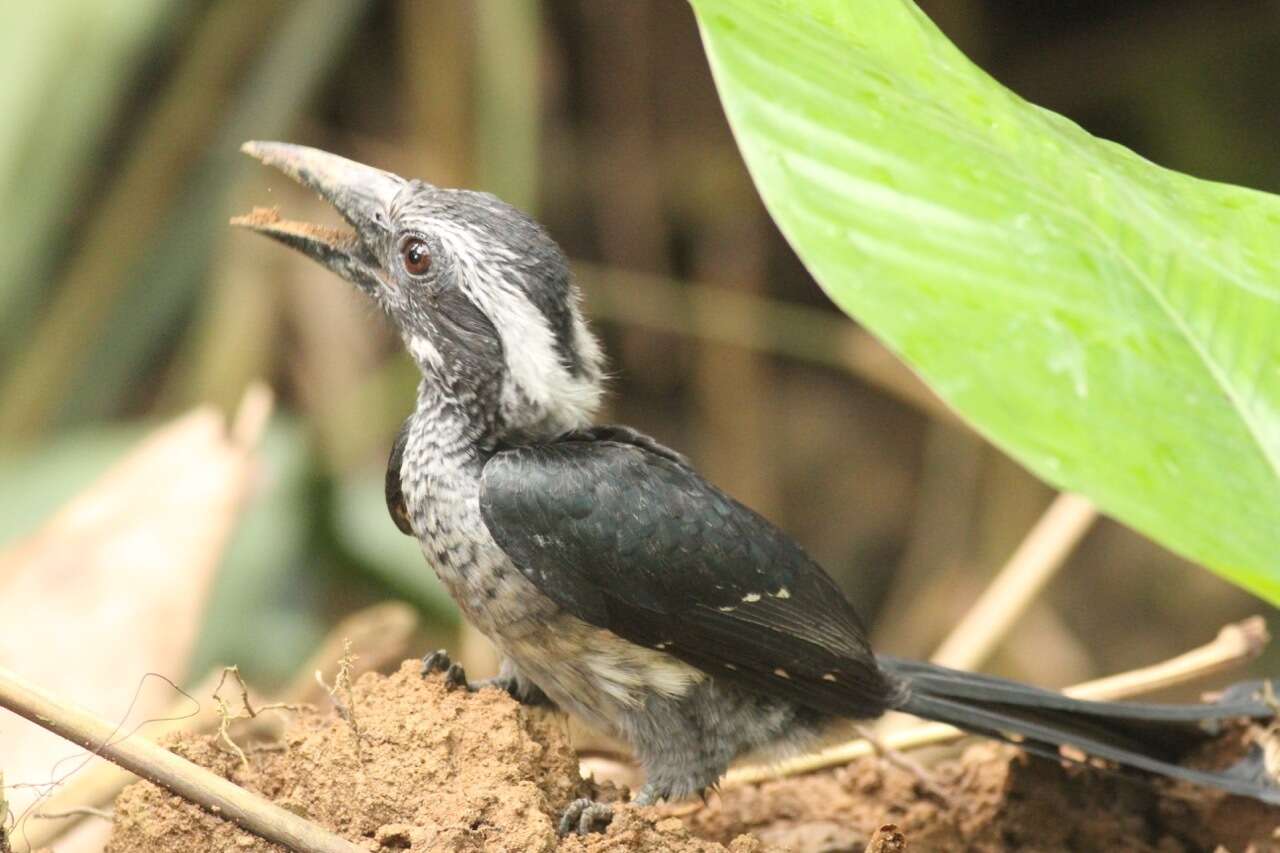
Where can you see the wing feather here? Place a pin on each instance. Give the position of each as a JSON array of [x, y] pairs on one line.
[[623, 534], [394, 492]]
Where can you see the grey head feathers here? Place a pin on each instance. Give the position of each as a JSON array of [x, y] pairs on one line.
[[496, 314], [480, 294]]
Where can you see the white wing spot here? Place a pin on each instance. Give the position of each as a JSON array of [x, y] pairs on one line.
[[728, 609], [782, 592], [828, 676], [781, 673], [751, 597], [731, 666]]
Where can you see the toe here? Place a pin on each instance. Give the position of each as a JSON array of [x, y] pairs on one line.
[[585, 816], [455, 676], [437, 661], [595, 818], [569, 819]]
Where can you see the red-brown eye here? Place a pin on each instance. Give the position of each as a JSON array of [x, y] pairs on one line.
[[414, 255]]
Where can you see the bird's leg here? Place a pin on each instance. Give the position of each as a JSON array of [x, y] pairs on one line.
[[520, 689], [524, 692], [584, 816], [649, 795]]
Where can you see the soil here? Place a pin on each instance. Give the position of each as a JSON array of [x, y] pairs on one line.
[[426, 769], [268, 219]]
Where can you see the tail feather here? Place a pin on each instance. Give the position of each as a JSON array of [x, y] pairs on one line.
[[1241, 701], [1149, 737]]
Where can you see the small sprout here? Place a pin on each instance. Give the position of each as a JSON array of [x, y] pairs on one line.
[[247, 712], [342, 685]]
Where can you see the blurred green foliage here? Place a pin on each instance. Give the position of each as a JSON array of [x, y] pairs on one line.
[[64, 75], [124, 299]]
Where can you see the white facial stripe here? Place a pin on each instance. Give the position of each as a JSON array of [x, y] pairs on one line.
[[424, 352], [533, 363]]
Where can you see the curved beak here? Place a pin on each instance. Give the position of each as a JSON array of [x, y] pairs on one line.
[[361, 194]]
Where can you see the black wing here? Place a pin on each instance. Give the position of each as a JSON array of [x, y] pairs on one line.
[[394, 491], [621, 533]]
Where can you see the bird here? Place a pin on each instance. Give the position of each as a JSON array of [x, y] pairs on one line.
[[615, 581]]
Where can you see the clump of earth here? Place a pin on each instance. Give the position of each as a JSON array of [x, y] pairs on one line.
[[416, 767]]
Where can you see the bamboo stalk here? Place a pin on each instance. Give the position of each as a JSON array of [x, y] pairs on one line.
[[193, 783], [1035, 562], [1235, 644]]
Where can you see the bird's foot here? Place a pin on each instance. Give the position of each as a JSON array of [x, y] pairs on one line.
[[584, 816], [454, 675], [526, 693]]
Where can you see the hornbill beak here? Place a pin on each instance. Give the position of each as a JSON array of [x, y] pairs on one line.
[[360, 193]]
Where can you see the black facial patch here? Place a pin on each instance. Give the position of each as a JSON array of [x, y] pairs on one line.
[[504, 245], [464, 332], [531, 259], [394, 491], [547, 287]]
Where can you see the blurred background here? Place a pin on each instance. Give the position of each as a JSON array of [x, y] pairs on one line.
[[125, 301]]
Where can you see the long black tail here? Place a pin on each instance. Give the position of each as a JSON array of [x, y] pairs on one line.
[[1146, 736]]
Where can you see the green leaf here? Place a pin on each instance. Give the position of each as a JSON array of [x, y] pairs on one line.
[[1109, 323]]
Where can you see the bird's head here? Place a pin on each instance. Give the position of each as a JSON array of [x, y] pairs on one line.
[[480, 294]]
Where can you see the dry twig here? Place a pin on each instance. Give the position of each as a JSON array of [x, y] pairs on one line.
[[4, 818], [381, 635], [193, 783], [734, 317], [83, 811], [1039, 556], [1235, 644]]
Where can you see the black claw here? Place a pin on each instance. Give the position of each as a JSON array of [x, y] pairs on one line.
[[455, 676], [584, 816], [530, 695], [437, 661]]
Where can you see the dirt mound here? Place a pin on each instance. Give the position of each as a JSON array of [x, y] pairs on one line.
[[424, 769], [998, 799]]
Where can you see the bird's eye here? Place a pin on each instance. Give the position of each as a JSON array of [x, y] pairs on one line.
[[414, 256]]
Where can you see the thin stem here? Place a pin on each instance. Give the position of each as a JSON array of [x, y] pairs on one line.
[[730, 316], [211, 792], [1035, 562], [381, 635]]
